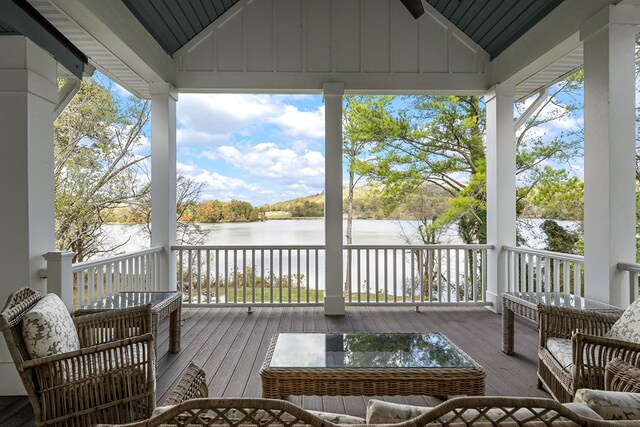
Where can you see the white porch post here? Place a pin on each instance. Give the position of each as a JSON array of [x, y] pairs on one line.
[[501, 188], [609, 151], [163, 179], [333, 296], [28, 93], [60, 275]]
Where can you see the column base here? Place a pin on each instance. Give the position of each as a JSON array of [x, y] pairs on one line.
[[334, 306], [11, 384], [496, 302]]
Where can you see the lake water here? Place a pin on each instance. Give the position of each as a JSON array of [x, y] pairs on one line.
[[282, 232], [308, 232]]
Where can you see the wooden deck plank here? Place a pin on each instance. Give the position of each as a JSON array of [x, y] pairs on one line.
[[248, 354], [199, 332], [253, 386], [230, 345]]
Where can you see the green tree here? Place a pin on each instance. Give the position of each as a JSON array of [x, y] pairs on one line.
[[559, 239], [363, 121], [439, 140], [210, 211], [558, 196], [359, 112], [234, 211], [96, 165]]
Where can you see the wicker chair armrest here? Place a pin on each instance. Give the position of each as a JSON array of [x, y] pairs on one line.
[[233, 412], [563, 322], [112, 325], [192, 385], [503, 411], [592, 353]]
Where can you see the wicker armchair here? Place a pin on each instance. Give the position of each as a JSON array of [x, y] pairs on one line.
[[111, 378], [591, 351]]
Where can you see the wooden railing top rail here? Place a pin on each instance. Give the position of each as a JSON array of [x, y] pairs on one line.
[[319, 247], [629, 266], [557, 255], [243, 247], [101, 261], [431, 246]]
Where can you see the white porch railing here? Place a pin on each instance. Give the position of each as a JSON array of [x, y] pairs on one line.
[[532, 270], [96, 279], [250, 275], [294, 275], [416, 274], [634, 271]]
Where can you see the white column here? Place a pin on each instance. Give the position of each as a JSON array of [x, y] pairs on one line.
[[333, 296], [609, 151], [28, 93], [501, 188], [163, 179], [60, 276]]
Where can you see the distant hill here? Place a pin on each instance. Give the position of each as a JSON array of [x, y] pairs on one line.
[[367, 204]]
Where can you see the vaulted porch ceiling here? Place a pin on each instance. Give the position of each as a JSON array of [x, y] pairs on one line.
[[494, 25], [170, 25]]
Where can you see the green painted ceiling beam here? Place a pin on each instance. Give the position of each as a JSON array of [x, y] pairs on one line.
[[20, 17]]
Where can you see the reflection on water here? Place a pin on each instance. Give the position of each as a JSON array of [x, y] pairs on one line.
[[362, 350], [289, 232], [301, 232]]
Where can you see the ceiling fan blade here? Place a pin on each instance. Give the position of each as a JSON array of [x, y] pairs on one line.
[[414, 6]]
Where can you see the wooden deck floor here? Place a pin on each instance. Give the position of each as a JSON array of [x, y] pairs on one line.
[[230, 345]]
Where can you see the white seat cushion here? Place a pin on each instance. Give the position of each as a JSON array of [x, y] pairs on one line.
[[627, 327], [380, 412], [561, 350], [48, 329], [611, 405]]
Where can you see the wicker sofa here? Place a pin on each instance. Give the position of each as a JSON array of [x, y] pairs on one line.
[[190, 407], [574, 349]]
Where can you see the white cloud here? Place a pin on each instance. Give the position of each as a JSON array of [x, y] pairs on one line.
[[302, 124], [266, 160], [144, 145], [218, 186], [206, 119], [196, 137], [552, 129]]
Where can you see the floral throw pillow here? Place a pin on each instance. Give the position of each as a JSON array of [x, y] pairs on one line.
[[48, 329], [627, 327]]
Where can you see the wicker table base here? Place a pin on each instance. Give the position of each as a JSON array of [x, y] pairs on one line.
[[525, 304], [278, 382], [163, 304]]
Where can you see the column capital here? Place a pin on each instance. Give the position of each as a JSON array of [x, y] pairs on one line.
[[333, 89], [58, 255], [620, 14], [163, 88], [500, 89]]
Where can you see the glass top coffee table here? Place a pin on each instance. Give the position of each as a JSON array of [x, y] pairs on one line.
[[368, 364]]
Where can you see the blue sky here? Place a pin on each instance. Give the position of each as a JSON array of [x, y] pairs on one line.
[[269, 148], [256, 148]]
